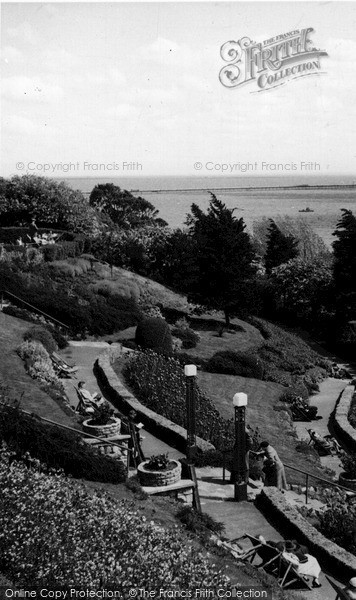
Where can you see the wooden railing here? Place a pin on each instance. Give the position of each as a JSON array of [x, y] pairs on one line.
[[308, 476]]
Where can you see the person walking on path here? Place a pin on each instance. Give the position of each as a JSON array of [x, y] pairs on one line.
[[273, 467]]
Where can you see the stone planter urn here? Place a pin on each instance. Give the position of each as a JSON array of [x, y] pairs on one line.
[[347, 481], [104, 431], [157, 478]]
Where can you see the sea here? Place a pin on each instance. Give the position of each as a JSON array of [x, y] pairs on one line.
[[320, 198]]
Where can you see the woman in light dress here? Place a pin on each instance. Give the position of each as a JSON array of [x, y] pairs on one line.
[[273, 467]]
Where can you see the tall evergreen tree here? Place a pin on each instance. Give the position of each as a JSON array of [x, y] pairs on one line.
[[224, 259], [280, 247], [345, 267]]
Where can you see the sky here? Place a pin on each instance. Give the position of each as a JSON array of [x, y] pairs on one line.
[[96, 89]]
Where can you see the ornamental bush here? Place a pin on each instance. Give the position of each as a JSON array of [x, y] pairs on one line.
[[154, 334], [229, 362], [58, 448], [42, 335], [53, 533], [37, 362], [183, 332]]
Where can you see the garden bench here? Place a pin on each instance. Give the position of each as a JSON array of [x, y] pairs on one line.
[[340, 593]]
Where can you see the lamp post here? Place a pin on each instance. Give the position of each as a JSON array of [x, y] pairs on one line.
[[190, 372], [239, 467]]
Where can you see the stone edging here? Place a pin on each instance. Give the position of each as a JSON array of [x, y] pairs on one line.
[[331, 556], [124, 400], [342, 425]]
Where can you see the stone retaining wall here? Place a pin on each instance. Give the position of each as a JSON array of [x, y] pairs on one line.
[[293, 525], [342, 425], [124, 400]]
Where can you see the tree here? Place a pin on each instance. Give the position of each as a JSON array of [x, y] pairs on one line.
[[280, 247], [224, 257], [52, 203], [124, 209], [345, 267], [311, 245], [304, 288]]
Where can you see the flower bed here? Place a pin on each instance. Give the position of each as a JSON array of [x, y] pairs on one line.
[[89, 541], [159, 383]]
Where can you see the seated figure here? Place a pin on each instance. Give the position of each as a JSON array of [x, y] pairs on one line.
[[305, 563], [88, 401]]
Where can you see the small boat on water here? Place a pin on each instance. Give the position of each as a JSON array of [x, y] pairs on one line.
[[307, 209]]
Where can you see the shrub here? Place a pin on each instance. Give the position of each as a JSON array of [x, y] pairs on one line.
[[42, 335], [348, 462], [182, 331], [154, 334], [199, 522], [20, 313], [37, 362], [56, 447], [288, 360], [31, 351], [235, 363], [54, 534], [337, 522]]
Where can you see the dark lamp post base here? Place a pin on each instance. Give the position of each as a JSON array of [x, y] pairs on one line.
[[240, 492]]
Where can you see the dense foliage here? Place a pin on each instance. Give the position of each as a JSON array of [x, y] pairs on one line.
[[280, 247], [122, 207], [303, 289], [235, 363], [338, 521], [71, 302], [54, 533], [42, 335], [183, 332], [310, 244], [345, 270], [52, 203], [154, 333], [57, 447], [287, 359], [224, 260], [37, 361], [159, 383]]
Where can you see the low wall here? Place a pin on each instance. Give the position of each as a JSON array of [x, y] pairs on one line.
[[124, 400], [293, 525], [342, 425]]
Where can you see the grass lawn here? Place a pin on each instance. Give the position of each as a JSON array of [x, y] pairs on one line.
[[245, 339], [18, 384], [273, 424]]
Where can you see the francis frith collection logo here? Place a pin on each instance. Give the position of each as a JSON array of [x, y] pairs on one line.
[[270, 63]]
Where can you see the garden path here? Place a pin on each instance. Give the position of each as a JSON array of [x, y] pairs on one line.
[[216, 497], [325, 401]]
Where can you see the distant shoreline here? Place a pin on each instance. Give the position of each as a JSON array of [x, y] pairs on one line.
[[246, 189]]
